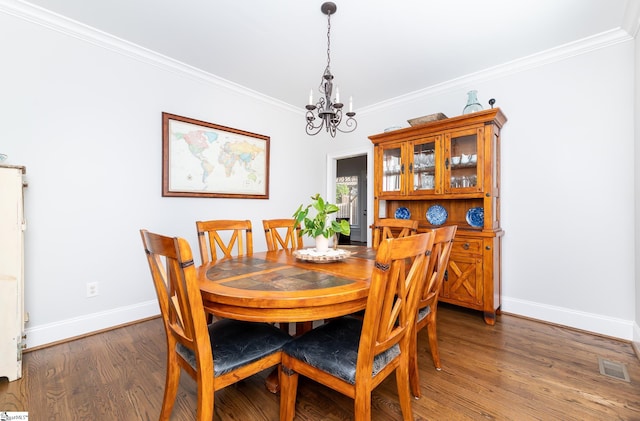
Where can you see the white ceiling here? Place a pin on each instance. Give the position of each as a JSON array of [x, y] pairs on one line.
[[379, 49]]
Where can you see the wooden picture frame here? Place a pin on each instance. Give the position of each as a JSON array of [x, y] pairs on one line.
[[201, 159]]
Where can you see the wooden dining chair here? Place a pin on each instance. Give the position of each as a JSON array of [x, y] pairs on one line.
[[282, 234], [231, 237], [392, 228], [428, 302], [285, 234], [216, 355], [353, 355]]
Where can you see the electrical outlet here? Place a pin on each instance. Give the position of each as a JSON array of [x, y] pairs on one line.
[[92, 289]]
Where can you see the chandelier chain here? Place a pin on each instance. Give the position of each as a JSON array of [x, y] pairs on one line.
[[328, 40]]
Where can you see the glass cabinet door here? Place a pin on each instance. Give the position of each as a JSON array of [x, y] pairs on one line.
[[423, 165], [392, 170], [463, 161]]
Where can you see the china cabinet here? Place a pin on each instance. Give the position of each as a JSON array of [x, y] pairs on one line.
[[447, 172]]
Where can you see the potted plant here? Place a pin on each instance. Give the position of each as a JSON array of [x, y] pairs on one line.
[[320, 227]]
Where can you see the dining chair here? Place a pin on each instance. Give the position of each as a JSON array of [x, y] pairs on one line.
[[214, 355], [428, 301], [353, 355], [282, 234], [392, 228], [236, 234], [285, 234]]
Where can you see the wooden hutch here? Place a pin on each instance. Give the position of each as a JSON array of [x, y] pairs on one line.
[[448, 172]]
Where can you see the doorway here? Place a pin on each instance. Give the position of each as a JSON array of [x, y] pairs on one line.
[[351, 195]]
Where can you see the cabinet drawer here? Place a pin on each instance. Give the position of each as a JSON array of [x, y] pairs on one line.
[[467, 246]]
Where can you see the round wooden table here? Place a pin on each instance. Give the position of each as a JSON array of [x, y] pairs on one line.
[[277, 287]]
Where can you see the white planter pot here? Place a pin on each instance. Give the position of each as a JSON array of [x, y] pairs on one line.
[[322, 243]]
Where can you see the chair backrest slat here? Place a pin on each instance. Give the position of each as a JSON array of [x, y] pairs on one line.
[[393, 296], [392, 228], [174, 277], [210, 240], [442, 245], [282, 233]]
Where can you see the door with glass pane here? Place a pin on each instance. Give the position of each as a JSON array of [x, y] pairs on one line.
[[463, 161], [351, 196], [422, 167], [394, 168]]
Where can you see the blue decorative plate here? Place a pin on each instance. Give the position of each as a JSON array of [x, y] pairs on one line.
[[437, 215], [403, 213], [475, 217]]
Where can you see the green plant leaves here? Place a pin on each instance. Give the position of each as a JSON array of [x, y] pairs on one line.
[[320, 225]]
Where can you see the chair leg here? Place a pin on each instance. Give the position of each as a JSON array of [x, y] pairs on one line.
[[362, 405], [288, 391], [209, 318], [170, 387], [414, 377], [433, 344], [404, 394], [303, 327], [205, 396]]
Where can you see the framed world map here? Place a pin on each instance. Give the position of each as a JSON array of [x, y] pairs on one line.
[[201, 159]]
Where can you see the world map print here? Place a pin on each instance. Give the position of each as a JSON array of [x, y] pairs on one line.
[[215, 161]]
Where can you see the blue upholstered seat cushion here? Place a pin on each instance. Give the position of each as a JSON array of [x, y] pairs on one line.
[[333, 347], [236, 343], [423, 312]]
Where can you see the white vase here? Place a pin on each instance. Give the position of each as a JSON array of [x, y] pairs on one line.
[[322, 244]]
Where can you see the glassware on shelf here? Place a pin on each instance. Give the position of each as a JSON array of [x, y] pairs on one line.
[[424, 160], [472, 103]]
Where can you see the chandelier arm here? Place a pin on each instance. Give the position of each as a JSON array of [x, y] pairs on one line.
[[350, 121]]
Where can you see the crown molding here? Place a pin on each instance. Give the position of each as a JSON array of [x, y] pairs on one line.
[[45, 18], [62, 24], [562, 52]]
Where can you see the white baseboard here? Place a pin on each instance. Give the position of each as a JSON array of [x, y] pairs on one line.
[[65, 329], [636, 339], [591, 322], [69, 328]]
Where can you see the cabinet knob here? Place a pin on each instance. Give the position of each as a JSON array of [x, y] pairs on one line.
[[402, 168], [465, 246], [488, 247]]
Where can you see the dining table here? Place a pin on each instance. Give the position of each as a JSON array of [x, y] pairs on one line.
[[280, 286]]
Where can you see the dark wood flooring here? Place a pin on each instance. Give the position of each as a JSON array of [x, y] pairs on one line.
[[516, 370]]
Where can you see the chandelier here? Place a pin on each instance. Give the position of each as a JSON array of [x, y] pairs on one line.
[[328, 112]]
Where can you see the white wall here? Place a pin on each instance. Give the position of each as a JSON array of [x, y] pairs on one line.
[[636, 335], [85, 119], [82, 112], [567, 182]]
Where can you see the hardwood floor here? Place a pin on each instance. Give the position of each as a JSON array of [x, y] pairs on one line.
[[516, 370]]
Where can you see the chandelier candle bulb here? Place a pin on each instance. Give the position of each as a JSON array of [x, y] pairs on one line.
[[310, 96], [350, 104], [337, 95]]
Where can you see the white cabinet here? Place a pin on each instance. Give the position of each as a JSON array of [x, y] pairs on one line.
[[12, 225]]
